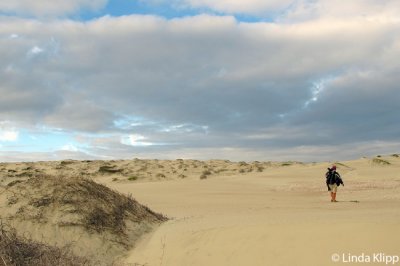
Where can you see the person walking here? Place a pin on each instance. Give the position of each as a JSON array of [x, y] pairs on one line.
[[333, 181]]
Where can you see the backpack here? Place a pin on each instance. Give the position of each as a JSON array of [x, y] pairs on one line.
[[331, 177]]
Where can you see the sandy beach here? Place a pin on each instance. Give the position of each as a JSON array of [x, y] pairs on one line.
[[280, 214]]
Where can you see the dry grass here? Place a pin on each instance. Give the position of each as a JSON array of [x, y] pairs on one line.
[[380, 161], [17, 251], [205, 174], [106, 169], [100, 208], [160, 175]]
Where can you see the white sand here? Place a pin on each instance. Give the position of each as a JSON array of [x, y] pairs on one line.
[[280, 217]]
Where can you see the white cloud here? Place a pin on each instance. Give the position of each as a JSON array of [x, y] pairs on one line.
[[69, 147], [9, 135], [49, 7], [317, 89], [135, 140], [184, 129], [305, 10], [35, 51]]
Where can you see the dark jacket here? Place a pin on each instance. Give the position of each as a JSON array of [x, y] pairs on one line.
[[333, 177]]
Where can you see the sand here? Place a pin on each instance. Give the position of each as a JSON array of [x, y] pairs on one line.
[[282, 216], [240, 214]]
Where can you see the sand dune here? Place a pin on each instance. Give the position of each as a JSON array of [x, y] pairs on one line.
[[96, 222], [238, 213]]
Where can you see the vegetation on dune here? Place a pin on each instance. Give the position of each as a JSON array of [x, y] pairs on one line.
[[19, 250], [342, 165], [65, 203], [379, 161], [205, 174], [99, 207], [109, 169]]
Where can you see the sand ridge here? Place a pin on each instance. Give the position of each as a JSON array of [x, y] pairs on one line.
[[136, 169]]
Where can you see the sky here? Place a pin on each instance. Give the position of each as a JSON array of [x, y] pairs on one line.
[[267, 80]]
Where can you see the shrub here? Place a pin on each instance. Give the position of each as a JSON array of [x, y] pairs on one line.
[[260, 168], [380, 161], [109, 169], [205, 174], [242, 163]]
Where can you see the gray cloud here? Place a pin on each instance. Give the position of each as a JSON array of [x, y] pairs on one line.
[[204, 82]]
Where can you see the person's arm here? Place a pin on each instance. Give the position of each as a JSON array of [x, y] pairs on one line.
[[327, 183], [340, 179]]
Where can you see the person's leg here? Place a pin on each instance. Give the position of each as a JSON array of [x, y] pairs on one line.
[[332, 187], [334, 190]]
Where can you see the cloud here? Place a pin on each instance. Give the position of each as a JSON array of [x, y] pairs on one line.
[[204, 83], [69, 147], [49, 7], [13, 36], [291, 10], [8, 135], [135, 140], [78, 112], [305, 10], [34, 51], [15, 156], [257, 7]]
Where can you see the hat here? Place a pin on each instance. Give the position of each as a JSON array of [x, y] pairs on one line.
[[333, 167]]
